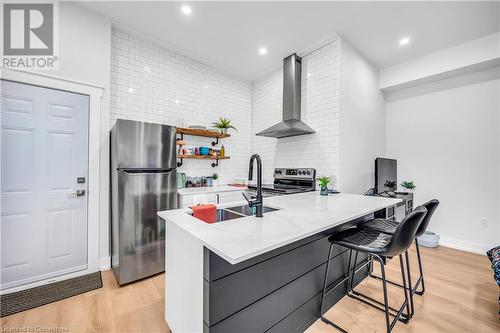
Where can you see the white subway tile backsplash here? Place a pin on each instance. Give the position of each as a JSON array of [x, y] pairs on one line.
[[320, 110], [153, 84]]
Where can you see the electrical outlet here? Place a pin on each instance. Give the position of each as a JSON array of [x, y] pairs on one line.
[[484, 222]]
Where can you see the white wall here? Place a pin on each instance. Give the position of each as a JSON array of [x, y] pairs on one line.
[[320, 110], [466, 57], [85, 56], [445, 136], [84, 52], [153, 84], [362, 121]]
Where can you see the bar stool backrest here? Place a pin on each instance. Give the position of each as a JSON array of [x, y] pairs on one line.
[[405, 232], [431, 207]]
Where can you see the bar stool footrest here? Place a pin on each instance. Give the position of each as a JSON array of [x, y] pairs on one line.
[[413, 290], [403, 317]]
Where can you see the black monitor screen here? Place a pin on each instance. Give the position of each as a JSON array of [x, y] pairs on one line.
[[386, 175]]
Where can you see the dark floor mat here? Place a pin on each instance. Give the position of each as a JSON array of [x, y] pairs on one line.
[[31, 298]]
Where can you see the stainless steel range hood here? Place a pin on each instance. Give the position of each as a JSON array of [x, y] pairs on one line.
[[291, 124]]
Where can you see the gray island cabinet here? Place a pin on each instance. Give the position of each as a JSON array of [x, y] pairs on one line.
[[259, 275]]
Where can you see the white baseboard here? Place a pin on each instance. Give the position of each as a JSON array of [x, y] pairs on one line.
[[105, 263], [462, 245]]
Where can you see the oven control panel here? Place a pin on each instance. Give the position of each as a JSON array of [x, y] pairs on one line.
[[303, 173]]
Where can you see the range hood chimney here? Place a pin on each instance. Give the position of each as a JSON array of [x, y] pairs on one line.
[[291, 124]]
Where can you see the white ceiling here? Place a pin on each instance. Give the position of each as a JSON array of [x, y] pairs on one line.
[[227, 35]]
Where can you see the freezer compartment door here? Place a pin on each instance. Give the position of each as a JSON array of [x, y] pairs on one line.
[[141, 233], [141, 145]]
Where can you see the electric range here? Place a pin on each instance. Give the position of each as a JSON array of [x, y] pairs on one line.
[[289, 181]]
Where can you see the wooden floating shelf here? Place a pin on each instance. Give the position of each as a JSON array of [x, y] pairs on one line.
[[203, 157], [200, 132], [206, 133]]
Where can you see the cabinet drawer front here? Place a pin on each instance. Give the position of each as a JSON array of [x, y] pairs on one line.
[[303, 317], [235, 291], [257, 317]]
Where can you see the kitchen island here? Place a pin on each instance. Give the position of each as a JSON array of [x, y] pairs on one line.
[[250, 274]]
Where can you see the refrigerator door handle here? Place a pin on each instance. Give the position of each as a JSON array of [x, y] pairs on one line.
[[132, 172]]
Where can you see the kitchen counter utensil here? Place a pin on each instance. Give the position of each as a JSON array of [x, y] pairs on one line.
[[181, 180]]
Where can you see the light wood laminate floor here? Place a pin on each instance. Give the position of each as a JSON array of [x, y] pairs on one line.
[[461, 296]]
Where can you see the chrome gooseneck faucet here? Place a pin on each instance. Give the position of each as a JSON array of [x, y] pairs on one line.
[[256, 201]]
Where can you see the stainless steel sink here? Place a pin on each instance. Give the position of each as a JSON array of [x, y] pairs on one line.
[[225, 215], [237, 212], [248, 211]]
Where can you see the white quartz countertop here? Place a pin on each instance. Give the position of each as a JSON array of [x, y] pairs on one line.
[[211, 189], [299, 216]]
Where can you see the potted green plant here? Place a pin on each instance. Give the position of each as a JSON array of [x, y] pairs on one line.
[[223, 124], [408, 185], [323, 183], [215, 178]]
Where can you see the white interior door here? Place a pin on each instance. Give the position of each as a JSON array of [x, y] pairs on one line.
[[44, 163]]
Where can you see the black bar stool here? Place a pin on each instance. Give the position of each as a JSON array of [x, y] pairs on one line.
[[389, 227], [380, 246]]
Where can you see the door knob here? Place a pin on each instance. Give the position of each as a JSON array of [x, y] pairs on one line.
[[78, 193]]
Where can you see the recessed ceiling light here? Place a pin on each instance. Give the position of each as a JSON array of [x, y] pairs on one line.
[[177, 101], [262, 50], [186, 10], [131, 90], [404, 41]]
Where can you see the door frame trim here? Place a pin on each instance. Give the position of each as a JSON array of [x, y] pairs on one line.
[[96, 95]]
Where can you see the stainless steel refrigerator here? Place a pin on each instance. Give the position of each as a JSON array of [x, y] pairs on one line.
[[143, 182]]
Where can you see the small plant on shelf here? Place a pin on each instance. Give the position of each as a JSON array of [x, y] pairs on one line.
[[323, 183], [223, 124], [408, 185]]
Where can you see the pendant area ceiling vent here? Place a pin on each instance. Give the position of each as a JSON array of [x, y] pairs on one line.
[[291, 124]]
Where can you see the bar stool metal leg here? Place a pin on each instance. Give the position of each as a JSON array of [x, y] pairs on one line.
[[398, 314], [351, 278], [403, 317], [389, 324], [384, 286], [324, 291], [421, 278], [409, 303], [410, 290], [387, 308]]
